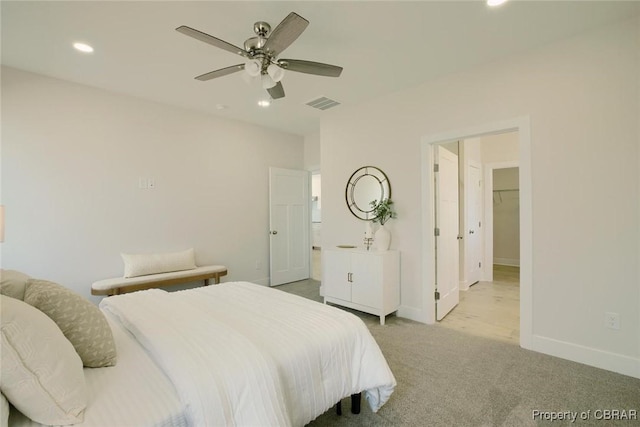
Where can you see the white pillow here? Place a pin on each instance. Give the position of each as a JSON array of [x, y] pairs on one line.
[[143, 264], [4, 412], [41, 373]]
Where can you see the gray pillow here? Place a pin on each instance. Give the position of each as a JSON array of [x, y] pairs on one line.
[[12, 283], [80, 321]]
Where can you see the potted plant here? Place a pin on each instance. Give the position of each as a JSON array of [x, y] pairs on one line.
[[383, 212]]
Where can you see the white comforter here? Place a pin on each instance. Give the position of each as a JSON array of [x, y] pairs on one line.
[[242, 354]]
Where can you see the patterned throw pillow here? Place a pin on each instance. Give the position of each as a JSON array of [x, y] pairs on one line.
[[80, 321]]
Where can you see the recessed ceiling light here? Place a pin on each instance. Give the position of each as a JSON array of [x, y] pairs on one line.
[[264, 103], [83, 47], [494, 3]]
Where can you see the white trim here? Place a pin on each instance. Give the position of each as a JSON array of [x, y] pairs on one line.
[[509, 262], [522, 126], [625, 365], [428, 225], [411, 313]]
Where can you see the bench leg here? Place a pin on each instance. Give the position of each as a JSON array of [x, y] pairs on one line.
[[339, 408]]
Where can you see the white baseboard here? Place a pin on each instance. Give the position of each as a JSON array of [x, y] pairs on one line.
[[263, 281], [507, 261], [621, 364], [412, 313]]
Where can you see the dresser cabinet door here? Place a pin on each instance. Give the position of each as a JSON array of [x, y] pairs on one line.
[[336, 274], [366, 286]]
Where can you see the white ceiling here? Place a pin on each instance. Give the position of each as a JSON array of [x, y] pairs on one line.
[[383, 46]]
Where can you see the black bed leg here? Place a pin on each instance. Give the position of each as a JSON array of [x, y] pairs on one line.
[[355, 403], [339, 408]]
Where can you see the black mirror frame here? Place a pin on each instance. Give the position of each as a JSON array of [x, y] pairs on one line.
[[365, 213]]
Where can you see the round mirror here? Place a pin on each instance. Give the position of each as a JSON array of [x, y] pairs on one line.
[[366, 185]]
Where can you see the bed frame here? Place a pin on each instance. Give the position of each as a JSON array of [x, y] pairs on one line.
[[355, 404]]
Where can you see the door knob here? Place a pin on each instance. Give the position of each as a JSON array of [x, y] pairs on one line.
[[274, 232], [471, 231]]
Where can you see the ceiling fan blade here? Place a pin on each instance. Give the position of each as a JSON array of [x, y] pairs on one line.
[[277, 91], [285, 33], [310, 67], [214, 41], [219, 73]]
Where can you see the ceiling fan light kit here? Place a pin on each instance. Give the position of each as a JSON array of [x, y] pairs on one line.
[[268, 82], [275, 72], [253, 67], [261, 54]]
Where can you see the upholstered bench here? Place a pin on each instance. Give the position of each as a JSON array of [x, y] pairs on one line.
[[120, 285]]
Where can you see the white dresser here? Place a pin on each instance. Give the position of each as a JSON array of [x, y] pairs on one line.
[[367, 281]]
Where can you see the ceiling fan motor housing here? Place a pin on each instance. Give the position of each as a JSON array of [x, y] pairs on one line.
[[262, 28]]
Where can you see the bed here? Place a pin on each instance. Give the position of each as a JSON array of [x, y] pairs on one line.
[[232, 354]]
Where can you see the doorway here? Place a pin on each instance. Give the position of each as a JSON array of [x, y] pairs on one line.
[[490, 307], [522, 129]]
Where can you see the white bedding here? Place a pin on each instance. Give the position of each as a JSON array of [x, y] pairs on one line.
[[242, 354], [135, 392]]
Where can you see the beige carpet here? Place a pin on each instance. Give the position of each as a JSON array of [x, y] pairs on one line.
[[448, 378]]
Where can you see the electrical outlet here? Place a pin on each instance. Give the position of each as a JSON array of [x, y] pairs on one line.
[[612, 320], [151, 183], [142, 183]]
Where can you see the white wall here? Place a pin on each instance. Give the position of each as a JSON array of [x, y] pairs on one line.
[[72, 157], [581, 96], [312, 152], [501, 148]]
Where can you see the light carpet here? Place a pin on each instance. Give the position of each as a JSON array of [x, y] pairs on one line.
[[449, 378]]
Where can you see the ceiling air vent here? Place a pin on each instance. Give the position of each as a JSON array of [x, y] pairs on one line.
[[323, 103]]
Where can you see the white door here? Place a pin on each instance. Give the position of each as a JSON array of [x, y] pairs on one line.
[[447, 248], [473, 234], [288, 225]]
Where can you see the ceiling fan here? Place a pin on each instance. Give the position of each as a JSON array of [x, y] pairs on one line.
[[261, 53]]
